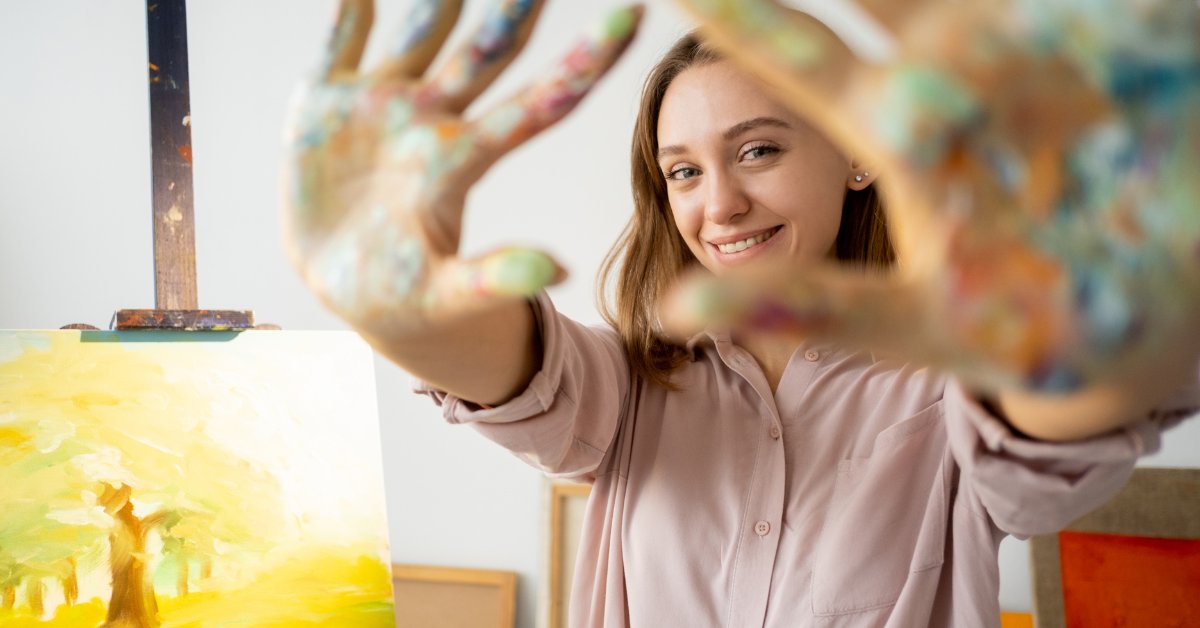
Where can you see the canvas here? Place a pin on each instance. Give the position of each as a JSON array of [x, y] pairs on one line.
[[167, 478]]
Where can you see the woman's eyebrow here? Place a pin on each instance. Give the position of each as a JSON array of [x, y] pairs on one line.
[[751, 124], [731, 133], [667, 151]]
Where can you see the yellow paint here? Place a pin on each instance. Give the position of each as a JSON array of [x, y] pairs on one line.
[[323, 583], [84, 614], [174, 215], [10, 438]]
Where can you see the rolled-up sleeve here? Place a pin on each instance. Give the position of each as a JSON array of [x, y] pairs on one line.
[[1030, 487], [564, 421]]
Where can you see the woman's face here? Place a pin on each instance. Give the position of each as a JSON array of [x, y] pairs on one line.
[[749, 182]]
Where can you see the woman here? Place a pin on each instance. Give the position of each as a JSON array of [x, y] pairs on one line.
[[741, 478]]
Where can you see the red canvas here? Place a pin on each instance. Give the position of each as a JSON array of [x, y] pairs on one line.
[[1129, 581]]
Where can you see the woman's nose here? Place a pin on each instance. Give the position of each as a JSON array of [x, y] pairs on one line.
[[725, 199]]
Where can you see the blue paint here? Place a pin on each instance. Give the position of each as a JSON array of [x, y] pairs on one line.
[[343, 30], [498, 33], [1105, 307], [417, 26], [1055, 377], [1136, 82]]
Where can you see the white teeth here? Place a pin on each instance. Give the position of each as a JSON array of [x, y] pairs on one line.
[[742, 245]]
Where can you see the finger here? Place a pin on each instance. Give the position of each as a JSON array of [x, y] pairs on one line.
[[894, 16], [422, 35], [550, 99], [471, 68], [799, 58], [864, 311], [466, 285], [349, 37], [781, 45]]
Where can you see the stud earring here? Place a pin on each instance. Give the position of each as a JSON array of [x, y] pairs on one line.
[[858, 178]]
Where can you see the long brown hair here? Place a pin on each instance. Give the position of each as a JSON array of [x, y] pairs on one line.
[[650, 253]]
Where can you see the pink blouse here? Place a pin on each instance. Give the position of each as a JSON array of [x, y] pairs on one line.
[[861, 493]]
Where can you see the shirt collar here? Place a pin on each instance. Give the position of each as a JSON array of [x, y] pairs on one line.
[[711, 338]]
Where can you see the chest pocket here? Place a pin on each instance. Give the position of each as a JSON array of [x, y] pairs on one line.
[[887, 518]]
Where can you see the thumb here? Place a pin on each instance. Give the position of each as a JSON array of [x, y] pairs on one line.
[[867, 311], [462, 286]]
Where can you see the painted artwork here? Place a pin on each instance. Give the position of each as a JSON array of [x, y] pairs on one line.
[[190, 479], [1121, 580]]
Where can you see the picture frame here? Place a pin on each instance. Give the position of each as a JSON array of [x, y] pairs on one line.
[[568, 501], [454, 597]]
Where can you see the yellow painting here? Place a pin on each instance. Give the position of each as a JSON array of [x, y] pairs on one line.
[[190, 479]]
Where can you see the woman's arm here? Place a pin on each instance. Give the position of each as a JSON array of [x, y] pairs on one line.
[[487, 358]]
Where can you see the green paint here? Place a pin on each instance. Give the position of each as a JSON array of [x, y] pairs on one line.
[[407, 265], [399, 115], [518, 272], [500, 123], [920, 104], [766, 22], [620, 24]]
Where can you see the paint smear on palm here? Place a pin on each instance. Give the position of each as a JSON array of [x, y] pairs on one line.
[[374, 269], [1125, 224]]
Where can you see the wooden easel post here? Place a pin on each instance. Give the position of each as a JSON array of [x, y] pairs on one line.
[[171, 156], [175, 298]]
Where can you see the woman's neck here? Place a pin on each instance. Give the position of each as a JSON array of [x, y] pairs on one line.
[[771, 351]]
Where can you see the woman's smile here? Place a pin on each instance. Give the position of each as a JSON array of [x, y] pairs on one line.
[[743, 246]]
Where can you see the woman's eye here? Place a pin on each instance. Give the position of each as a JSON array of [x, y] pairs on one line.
[[681, 173], [758, 152]]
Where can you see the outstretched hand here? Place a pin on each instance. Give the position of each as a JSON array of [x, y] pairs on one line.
[[380, 162], [1038, 161]]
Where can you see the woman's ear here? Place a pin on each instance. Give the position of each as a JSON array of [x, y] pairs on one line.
[[859, 176]]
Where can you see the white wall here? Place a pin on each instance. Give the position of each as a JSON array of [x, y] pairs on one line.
[[75, 223]]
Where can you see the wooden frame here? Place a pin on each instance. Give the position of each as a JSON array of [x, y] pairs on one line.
[[1161, 503], [564, 499], [453, 597]]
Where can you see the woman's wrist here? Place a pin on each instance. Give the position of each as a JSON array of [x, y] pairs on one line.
[[1089, 412]]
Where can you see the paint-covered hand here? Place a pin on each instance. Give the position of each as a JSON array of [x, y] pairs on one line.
[[1038, 159], [379, 163]]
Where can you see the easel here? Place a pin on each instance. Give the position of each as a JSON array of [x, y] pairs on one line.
[[175, 301]]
